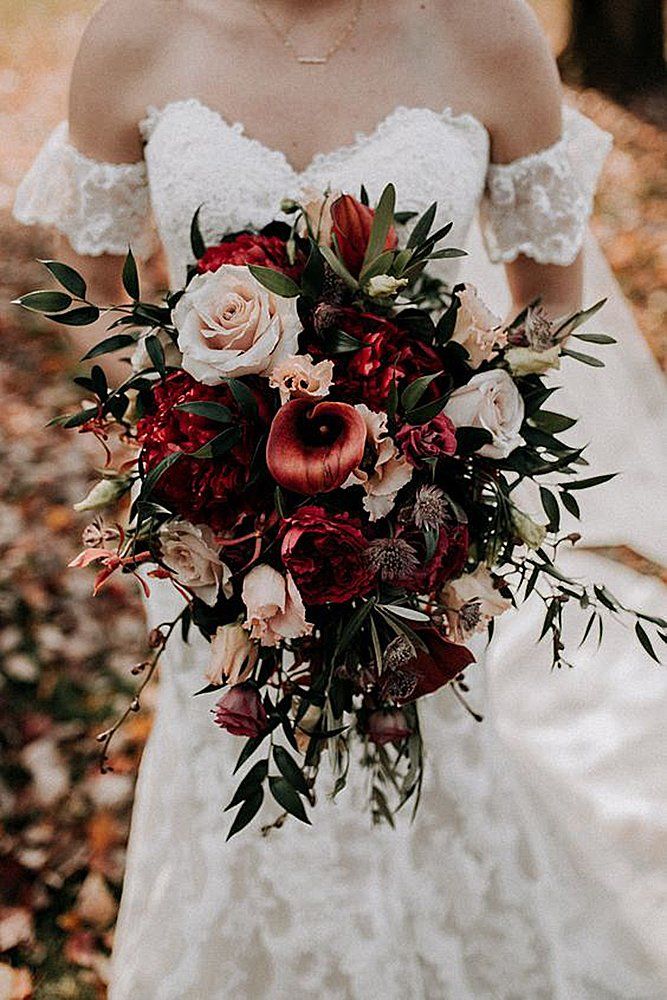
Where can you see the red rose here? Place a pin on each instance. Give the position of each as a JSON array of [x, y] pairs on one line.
[[240, 711], [325, 553], [430, 440], [209, 491], [251, 248], [387, 726], [351, 225], [449, 558], [432, 665], [387, 354], [314, 446]]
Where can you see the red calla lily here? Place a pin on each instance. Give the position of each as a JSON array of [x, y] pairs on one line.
[[313, 447], [351, 225]]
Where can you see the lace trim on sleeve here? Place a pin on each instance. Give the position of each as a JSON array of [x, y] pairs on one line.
[[539, 205], [100, 207]]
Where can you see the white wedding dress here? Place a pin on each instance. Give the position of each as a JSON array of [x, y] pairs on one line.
[[535, 867]]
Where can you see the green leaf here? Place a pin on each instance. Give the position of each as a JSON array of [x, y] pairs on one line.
[[382, 221], [595, 338], [246, 813], [408, 613], [586, 484], [45, 302], [381, 265], [115, 343], [574, 322], [447, 254], [553, 423], [411, 395], [338, 267], [77, 317], [276, 282], [212, 411], [339, 342], [244, 397], [286, 797], [219, 445], [250, 747], [423, 226], [551, 508], [131, 276], [585, 359], [313, 274], [422, 414], [67, 276], [290, 770], [78, 419], [250, 784], [645, 641], [570, 504], [589, 626], [154, 476], [196, 238], [156, 353], [471, 439]]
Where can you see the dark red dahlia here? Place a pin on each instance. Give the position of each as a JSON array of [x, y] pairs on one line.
[[252, 248], [210, 491], [326, 554], [388, 354]]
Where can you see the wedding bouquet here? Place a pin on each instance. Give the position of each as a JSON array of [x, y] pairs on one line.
[[329, 457]]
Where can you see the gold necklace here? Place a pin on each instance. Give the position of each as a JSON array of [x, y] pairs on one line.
[[285, 36]]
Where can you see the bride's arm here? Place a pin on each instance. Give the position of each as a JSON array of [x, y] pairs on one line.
[[104, 110], [524, 118]]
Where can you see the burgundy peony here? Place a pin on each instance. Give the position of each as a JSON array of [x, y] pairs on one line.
[[326, 554], [435, 662], [314, 446], [449, 558], [209, 491], [387, 354], [433, 439], [387, 726], [240, 711], [252, 248], [351, 225]]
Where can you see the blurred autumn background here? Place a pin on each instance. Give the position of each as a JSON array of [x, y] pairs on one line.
[[65, 659]]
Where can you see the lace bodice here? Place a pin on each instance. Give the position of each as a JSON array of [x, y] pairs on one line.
[[538, 205]]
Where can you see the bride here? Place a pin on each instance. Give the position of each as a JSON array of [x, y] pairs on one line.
[[534, 868]]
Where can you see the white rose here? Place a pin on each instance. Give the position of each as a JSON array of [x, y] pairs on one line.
[[527, 361], [233, 655], [230, 325], [274, 606], [491, 401], [190, 553], [477, 328], [383, 286]]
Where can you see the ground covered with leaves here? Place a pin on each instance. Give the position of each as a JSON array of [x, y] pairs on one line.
[[65, 659]]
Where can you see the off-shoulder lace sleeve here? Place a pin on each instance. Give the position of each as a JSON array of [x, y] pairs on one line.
[[100, 207], [540, 204]]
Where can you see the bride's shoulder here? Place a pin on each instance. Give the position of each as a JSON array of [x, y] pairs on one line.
[[111, 74], [513, 73]]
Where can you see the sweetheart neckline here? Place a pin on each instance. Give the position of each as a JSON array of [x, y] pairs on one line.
[[154, 114]]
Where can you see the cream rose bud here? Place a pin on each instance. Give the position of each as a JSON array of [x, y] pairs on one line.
[[384, 286], [491, 401], [274, 606], [528, 530], [231, 325], [317, 211], [526, 361], [471, 602], [297, 377], [103, 494], [189, 551], [233, 655], [477, 328]]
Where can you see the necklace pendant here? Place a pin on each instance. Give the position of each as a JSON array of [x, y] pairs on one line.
[[312, 60]]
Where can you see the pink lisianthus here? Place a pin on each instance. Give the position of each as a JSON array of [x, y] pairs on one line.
[[477, 329], [387, 726], [435, 438], [233, 656], [240, 711], [275, 610], [384, 471]]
